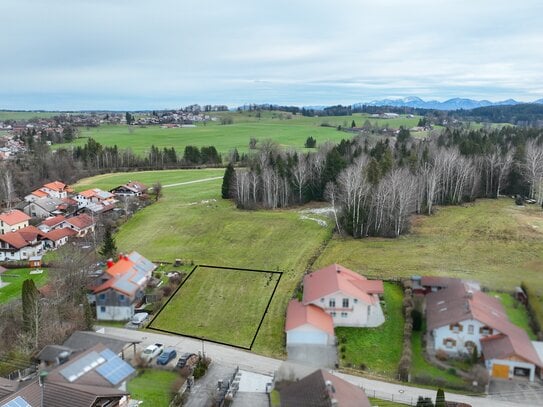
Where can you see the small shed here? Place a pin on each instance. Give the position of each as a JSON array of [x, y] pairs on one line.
[[34, 261]]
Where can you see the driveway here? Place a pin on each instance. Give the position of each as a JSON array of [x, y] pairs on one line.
[[313, 355], [519, 391]]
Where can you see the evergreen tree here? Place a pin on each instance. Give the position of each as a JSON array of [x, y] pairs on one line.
[[353, 124], [30, 298], [109, 248], [227, 180], [440, 398], [89, 317]]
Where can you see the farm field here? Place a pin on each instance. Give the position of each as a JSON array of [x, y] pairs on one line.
[[22, 115], [491, 241], [235, 302], [288, 133], [15, 278], [193, 223]]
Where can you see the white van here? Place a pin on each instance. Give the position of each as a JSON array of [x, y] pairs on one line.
[[139, 318]]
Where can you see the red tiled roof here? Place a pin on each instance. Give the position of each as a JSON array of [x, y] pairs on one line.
[[58, 234], [56, 186], [39, 193], [81, 221], [89, 193], [515, 342], [336, 278], [14, 216], [122, 266], [53, 221], [299, 314], [22, 237]]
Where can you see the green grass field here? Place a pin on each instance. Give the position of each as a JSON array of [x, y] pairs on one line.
[[192, 222], [15, 278], [364, 346], [220, 305], [516, 312], [491, 241], [152, 386], [291, 133], [8, 115]]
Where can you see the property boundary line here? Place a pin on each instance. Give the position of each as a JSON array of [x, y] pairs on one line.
[[280, 273]]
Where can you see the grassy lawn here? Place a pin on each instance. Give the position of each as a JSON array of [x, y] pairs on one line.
[[384, 403], [290, 133], [232, 298], [491, 241], [153, 386], [15, 278], [516, 312], [367, 345], [192, 222], [420, 367], [8, 115]]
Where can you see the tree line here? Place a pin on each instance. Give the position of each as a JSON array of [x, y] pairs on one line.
[[375, 186]]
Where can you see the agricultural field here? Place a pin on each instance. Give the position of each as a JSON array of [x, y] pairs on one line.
[[22, 115], [193, 223], [15, 278], [288, 133], [232, 298], [492, 241]]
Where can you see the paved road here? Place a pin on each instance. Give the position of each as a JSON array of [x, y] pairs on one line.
[[229, 356]]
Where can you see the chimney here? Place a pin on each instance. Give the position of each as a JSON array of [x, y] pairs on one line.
[[109, 263], [338, 270], [120, 256]]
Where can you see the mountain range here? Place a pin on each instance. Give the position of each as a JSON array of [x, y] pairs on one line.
[[451, 104]]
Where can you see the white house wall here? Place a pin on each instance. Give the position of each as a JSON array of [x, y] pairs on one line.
[[357, 314], [114, 313], [460, 337]]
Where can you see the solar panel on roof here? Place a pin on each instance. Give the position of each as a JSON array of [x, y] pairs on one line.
[[81, 366], [108, 354], [17, 402], [115, 370]]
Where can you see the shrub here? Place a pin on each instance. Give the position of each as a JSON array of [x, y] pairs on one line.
[[451, 371], [362, 366], [534, 308], [442, 355], [167, 290], [201, 367], [343, 348], [416, 316]]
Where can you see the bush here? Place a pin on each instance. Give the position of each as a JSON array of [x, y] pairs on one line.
[[442, 355], [451, 371], [534, 308], [416, 315], [343, 348], [201, 367]]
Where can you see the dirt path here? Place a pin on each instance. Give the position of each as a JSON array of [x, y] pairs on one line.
[[191, 182]]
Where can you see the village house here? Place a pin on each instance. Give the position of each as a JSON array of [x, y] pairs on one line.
[[55, 189], [333, 296], [121, 288], [52, 223], [81, 224], [91, 378], [45, 207], [21, 244], [132, 188], [57, 237], [461, 319], [13, 220], [94, 196]]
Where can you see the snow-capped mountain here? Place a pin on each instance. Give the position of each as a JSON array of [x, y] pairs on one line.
[[451, 104]]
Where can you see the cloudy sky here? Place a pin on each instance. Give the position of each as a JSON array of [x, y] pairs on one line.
[[141, 54]]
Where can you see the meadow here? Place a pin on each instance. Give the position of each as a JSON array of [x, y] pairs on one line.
[[492, 241], [193, 223], [221, 319], [15, 278], [288, 133], [26, 115]]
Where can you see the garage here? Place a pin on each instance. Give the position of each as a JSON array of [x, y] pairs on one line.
[[500, 371], [308, 325], [307, 336]]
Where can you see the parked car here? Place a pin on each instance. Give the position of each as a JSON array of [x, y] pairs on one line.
[[152, 351], [185, 360], [139, 318], [166, 356]]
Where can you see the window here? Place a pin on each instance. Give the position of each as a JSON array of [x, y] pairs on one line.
[[485, 330], [121, 297], [333, 314], [449, 343], [345, 303], [102, 309], [102, 296], [356, 300], [456, 328], [344, 315], [470, 329], [332, 303]]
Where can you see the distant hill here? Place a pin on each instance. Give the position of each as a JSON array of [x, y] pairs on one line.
[[451, 104]]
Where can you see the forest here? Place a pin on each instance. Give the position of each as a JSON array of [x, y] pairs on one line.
[[375, 187]]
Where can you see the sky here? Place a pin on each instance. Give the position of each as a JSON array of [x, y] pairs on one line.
[[141, 54]]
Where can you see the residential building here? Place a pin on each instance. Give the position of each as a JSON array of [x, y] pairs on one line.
[[45, 207], [13, 220], [81, 224], [322, 389], [57, 238], [21, 244], [308, 324], [52, 223], [349, 298], [94, 196], [132, 188], [55, 189], [121, 288], [460, 319]]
